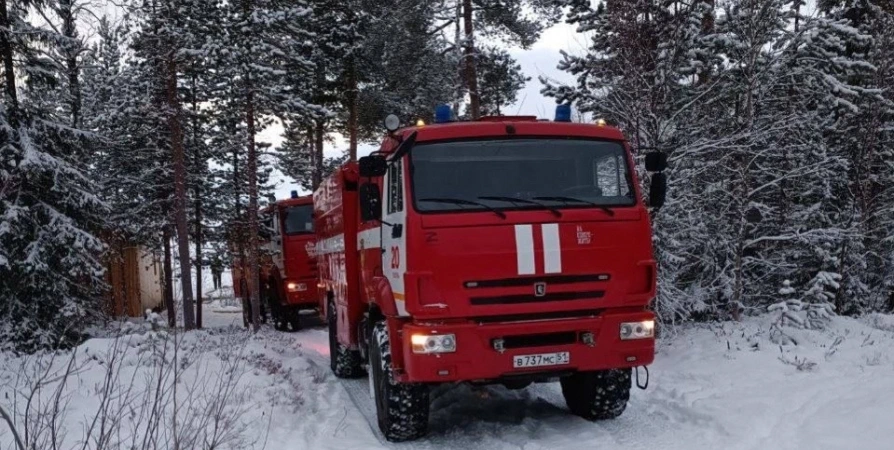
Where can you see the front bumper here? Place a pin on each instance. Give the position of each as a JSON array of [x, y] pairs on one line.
[[476, 359], [304, 299]]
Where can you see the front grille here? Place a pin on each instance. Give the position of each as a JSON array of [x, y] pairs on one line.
[[531, 298], [539, 340], [553, 315], [530, 281]]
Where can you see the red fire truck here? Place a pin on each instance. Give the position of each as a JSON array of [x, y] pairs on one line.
[[288, 269], [506, 250]]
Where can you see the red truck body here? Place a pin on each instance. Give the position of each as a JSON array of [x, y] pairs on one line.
[[529, 289], [288, 268]]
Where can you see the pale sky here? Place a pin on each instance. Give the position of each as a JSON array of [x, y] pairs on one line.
[[540, 60]]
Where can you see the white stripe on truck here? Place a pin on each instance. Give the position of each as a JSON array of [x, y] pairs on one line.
[[335, 244], [371, 238], [552, 248], [524, 249]]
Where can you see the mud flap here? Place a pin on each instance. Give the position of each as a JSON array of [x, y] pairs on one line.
[[645, 384]]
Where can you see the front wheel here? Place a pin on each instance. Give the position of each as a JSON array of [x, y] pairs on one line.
[[345, 363], [598, 395], [402, 408], [293, 317], [276, 310]]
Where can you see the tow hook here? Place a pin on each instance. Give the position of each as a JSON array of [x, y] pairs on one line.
[[499, 345], [645, 384]]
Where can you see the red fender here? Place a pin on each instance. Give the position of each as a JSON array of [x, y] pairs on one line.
[[384, 297]]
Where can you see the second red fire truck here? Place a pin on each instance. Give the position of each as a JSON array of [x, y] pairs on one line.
[[506, 250], [288, 270]]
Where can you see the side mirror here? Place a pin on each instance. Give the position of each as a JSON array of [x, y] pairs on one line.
[[658, 190], [373, 166], [656, 161], [370, 202]]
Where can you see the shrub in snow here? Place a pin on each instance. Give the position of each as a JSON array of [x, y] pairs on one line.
[[884, 322], [802, 364], [157, 390], [797, 313]]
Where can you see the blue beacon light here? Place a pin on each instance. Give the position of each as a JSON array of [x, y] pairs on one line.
[[443, 114], [563, 113]]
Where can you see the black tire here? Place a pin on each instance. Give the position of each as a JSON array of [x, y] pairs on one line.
[[293, 317], [345, 363], [402, 408], [276, 311], [271, 297], [599, 395]]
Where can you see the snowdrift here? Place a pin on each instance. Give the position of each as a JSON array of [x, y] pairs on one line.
[[713, 385]]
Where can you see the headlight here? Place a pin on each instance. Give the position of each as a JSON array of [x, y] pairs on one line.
[[299, 287], [439, 343], [637, 330]]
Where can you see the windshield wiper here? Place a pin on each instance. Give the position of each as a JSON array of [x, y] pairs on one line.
[[460, 201], [577, 200], [555, 211]]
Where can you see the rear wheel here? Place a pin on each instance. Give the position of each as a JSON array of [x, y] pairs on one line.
[[345, 363], [275, 308], [402, 408], [293, 317], [598, 395]]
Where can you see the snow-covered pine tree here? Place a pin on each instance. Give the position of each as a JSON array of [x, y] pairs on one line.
[[121, 104], [268, 43], [810, 205], [755, 40], [500, 79], [862, 135], [50, 270], [408, 67], [198, 92], [511, 22], [333, 87], [295, 158], [648, 71]]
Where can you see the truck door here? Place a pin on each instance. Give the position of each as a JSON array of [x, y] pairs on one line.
[[394, 238]]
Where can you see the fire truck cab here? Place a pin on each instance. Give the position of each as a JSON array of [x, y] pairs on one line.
[[505, 250], [288, 270]]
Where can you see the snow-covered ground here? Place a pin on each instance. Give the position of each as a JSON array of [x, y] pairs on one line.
[[721, 385]]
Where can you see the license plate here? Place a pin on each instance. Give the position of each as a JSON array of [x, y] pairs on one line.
[[540, 360]]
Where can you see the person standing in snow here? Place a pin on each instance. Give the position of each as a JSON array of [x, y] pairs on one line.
[[216, 271]]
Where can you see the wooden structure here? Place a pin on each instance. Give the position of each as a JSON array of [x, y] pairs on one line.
[[135, 276]]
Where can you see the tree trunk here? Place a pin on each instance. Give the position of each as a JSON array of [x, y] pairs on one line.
[[312, 155], [708, 21], [319, 134], [70, 50], [174, 123], [470, 71], [351, 95], [198, 264], [197, 196], [8, 65], [252, 168], [458, 36], [238, 232], [169, 277]]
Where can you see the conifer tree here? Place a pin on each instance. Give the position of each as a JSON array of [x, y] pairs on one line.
[[50, 267]]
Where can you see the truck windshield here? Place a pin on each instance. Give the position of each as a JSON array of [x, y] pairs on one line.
[[560, 173], [299, 220]]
